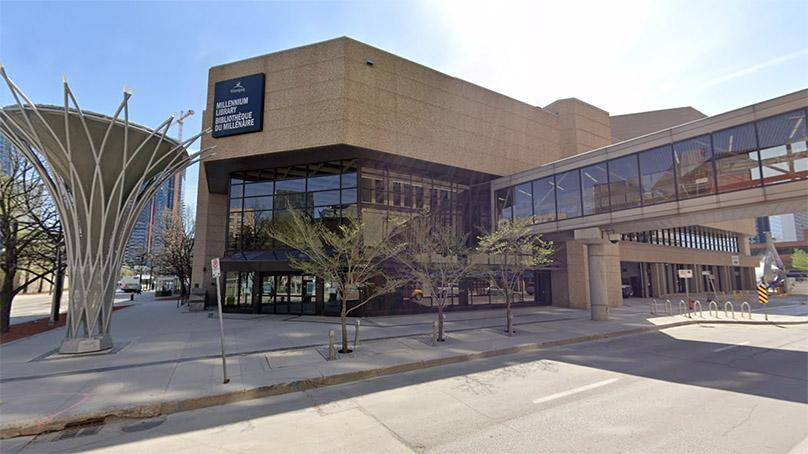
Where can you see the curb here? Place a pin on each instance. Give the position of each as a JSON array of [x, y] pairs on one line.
[[36, 427]]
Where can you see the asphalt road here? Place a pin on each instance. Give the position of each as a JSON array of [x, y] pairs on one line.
[[693, 389]]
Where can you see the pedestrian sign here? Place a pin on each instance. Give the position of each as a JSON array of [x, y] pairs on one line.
[[763, 294]]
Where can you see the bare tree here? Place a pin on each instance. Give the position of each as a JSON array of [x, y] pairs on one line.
[[176, 239], [437, 258], [342, 255], [511, 250], [29, 231]]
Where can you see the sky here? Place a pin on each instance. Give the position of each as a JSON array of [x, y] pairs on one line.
[[622, 56]]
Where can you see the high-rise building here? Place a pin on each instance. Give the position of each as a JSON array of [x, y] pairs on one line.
[[5, 155], [144, 238], [783, 227]]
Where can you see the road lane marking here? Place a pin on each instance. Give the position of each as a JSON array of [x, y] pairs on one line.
[[574, 391], [730, 346]]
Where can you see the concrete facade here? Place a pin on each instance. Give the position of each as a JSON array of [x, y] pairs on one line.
[[342, 99]]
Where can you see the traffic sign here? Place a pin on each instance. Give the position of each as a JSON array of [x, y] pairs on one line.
[[763, 294], [685, 274], [215, 268]]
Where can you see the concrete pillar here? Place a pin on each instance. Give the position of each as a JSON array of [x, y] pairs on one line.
[[604, 279]]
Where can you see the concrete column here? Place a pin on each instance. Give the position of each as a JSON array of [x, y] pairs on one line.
[[697, 283], [604, 279]]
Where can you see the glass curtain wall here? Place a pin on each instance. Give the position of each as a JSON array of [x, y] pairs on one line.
[[259, 198], [770, 151]]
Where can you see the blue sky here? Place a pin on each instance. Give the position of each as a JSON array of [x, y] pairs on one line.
[[621, 56]]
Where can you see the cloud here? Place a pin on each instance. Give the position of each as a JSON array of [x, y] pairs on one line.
[[755, 68]]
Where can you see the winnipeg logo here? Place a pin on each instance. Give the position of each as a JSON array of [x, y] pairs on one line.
[[238, 88]]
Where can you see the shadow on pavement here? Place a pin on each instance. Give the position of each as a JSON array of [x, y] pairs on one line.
[[772, 373]]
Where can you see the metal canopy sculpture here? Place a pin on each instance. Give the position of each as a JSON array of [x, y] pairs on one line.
[[101, 172]]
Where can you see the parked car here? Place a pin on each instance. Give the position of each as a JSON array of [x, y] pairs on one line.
[[628, 291], [494, 290]]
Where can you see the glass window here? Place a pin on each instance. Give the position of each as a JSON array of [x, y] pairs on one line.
[[694, 167], [256, 189], [291, 200], [349, 180], [326, 212], [230, 288], [568, 194], [656, 171], [323, 182], [595, 189], [504, 200], [349, 195], [290, 186], [544, 209], [523, 202], [236, 190], [258, 203], [783, 147], [379, 195], [326, 198], [255, 230], [235, 205], [408, 195], [234, 231], [396, 196], [419, 197], [736, 158], [624, 182]]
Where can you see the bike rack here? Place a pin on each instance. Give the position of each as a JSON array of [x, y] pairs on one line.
[[713, 305], [669, 307], [683, 310], [653, 306], [697, 307], [748, 309], [732, 308]]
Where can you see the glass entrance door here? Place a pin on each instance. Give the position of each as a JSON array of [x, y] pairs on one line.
[[288, 294]]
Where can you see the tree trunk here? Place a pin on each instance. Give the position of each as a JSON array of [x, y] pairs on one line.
[[509, 320], [343, 318], [440, 323], [6, 296]]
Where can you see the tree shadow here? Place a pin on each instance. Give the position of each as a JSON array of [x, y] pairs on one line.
[[764, 372]]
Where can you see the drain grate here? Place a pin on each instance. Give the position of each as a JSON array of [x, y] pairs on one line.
[[78, 432], [143, 425]]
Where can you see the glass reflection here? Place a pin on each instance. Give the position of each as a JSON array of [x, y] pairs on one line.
[[523, 202], [694, 167], [624, 182], [656, 172], [544, 207], [568, 192], [595, 189]]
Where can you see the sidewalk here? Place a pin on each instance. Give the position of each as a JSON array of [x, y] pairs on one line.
[[165, 361]]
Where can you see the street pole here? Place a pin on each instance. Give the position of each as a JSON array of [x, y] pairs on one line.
[[218, 274], [687, 296]]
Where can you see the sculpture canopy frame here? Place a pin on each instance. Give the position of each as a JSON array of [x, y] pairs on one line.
[[101, 172]]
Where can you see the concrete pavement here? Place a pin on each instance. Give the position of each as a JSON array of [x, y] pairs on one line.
[[165, 361], [701, 388]]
